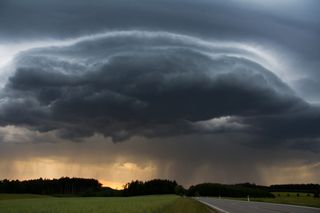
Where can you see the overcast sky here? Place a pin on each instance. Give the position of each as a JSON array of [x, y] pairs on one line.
[[197, 91]]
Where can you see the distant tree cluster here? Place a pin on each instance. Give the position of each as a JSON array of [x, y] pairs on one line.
[[306, 188], [63, 185], [155, 186], [237, 190]]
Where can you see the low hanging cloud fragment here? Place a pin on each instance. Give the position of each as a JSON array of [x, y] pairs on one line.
[[152, 84]]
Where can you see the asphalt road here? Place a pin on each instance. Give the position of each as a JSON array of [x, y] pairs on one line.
[[235, 206]]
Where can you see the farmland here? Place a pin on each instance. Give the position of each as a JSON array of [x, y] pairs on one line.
[[303, 199], [154, 204], [292, 198]]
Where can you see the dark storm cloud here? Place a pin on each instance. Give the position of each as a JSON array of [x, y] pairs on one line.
[[309, 87], [149, 84], [298, 124], [293, 26]]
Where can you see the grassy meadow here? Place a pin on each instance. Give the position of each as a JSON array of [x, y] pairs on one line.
[[187, 205], [292, 198], [20, 196], [140, 204]]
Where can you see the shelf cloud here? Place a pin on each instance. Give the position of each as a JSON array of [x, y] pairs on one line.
[[238, 76], [140, 83]]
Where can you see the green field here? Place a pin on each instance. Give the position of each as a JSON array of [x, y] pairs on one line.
[[143, 204], [20, 196], [289, 198], [292, 198], [187, 205]]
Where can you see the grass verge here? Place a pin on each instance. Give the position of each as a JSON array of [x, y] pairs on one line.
[[187, 205]]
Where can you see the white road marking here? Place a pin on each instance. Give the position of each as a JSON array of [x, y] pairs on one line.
[[212, 206]]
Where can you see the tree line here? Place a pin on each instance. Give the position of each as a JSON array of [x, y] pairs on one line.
[[91, 187], [223, 190], [307, 188], [64, 185], [156, 186]]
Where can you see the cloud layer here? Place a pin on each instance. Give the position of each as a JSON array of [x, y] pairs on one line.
[[150, 84]]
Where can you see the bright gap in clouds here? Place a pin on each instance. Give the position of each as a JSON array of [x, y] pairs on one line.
[[8, 51]]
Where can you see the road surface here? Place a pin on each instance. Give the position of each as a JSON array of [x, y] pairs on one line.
[[235, 206]]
